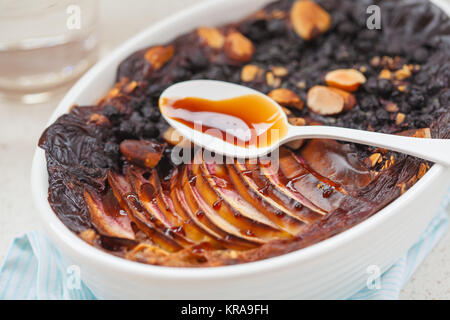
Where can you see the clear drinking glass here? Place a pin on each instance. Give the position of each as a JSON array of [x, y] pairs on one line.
[[45, 44]]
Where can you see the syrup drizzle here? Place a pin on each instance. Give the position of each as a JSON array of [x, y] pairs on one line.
[[249, 120]]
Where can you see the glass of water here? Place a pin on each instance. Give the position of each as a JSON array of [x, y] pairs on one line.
[[45, 44]]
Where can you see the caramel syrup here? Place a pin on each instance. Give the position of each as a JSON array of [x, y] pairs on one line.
[[248, 120]]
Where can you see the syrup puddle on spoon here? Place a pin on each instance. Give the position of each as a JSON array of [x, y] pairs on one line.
[[246, 121]]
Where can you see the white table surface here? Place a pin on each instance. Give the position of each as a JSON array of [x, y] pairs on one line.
[[21, 126]]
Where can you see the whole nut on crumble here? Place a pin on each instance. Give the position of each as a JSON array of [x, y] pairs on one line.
[[212, 37], [272, 81], [325, 101], [158, 56], [349, 99], [251, 72], [345, 79], [287, 98], [238, 47], [280, 71], [309, 19]]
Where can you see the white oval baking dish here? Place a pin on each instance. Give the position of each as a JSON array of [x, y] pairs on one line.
[[332, 269]]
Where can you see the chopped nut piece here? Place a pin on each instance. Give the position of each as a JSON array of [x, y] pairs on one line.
[[387, 62], [212, 37], [401, 88], [399, 118], [324, 101], [131, 86], [385, 74], [309, 19], [286, 97], [349, 99], [375, 62], [278, 14], [272, 81], [345, 79], [423, 133], [402, 188], [158, 56], [287, 111], [301, 84], [416, 133], [363, 69], [114, 92], [251, 72], [297, 121], [403, 73], [422, 170], [373, 159], [99, 119], [392, 107], [238, 47], [88, 235], [141, 152], [260, 15], [279, 71]]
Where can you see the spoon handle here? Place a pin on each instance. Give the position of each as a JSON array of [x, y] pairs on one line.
[[435, 150]]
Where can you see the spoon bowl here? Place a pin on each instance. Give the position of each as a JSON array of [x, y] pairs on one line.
[[436, 150]]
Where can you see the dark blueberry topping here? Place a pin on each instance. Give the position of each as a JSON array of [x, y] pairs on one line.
[[150, 131], [416, 99], [384, 88]]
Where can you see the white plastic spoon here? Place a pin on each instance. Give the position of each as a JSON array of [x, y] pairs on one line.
[[436, 150]]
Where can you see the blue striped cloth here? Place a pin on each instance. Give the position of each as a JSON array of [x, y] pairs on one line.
[[34, 269]]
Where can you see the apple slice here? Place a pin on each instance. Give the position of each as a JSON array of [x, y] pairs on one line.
[[299, 179], [151, 195], [250, 192], [193, 228], [336, 162], [231, 236], [266, 179], [147, 194], [106, 215], [238, 217], [129, 202], [231, 198]]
